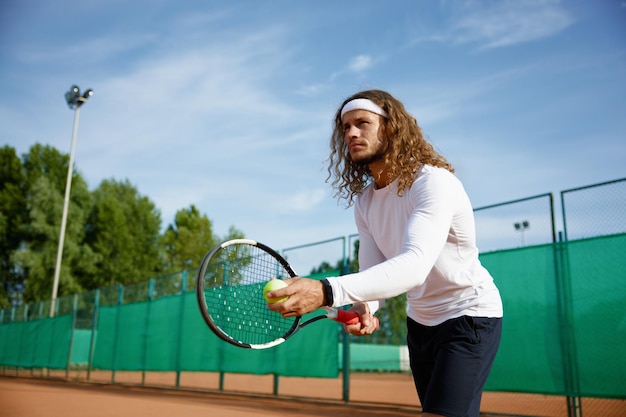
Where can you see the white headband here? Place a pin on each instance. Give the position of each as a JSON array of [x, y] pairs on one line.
[[363, 104]]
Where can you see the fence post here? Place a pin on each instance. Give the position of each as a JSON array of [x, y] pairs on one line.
[[94, 327], [568, 348], [33, 359], [346, 366], [146, 332], [48, 362], [69, 353], [120, 301], [345, 336], [183, 289]]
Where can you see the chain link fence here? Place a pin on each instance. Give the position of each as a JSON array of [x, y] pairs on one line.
[[518, 223], [594, 210]]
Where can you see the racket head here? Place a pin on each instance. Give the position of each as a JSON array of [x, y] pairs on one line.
[[229, 290]]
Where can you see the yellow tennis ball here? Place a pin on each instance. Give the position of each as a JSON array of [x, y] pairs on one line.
[[274, 284]]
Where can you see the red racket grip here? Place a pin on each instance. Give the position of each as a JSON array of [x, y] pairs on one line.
[[347, 317], [350, 317]]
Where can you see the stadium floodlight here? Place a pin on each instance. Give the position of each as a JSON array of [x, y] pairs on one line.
[[74, 101], [521, 227]]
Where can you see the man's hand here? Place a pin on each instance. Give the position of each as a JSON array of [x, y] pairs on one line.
[[367, 325], [305, 295]]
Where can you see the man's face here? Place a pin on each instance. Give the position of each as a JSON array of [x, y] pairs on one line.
[[361, 135]]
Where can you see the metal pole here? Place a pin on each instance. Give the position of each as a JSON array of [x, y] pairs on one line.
[[57, 269]]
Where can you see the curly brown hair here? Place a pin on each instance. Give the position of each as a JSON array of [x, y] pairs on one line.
[[405, 149]]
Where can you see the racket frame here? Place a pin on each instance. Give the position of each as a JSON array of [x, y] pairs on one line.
[[204, 308], [331, 313]]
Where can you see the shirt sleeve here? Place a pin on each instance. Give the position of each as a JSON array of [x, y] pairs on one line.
[[369, 254], [433, 196]]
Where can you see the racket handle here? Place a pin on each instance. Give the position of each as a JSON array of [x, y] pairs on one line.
[[348, 317]]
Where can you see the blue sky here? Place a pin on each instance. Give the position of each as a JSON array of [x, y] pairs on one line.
[[228, 105]]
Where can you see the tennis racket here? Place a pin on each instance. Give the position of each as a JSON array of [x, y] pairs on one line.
[[230, 296]]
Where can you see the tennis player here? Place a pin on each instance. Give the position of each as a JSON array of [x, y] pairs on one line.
[[417, 236]]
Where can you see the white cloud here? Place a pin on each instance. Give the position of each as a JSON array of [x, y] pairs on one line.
[[511, 22], [500, 23], [357, 65], [90, 51], [302, 201], [312, 90], [360, 63]]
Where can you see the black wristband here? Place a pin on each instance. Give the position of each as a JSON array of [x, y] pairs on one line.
[[328, 293]]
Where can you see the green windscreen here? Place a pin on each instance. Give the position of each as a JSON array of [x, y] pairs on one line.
[[529, 357], [596, 308], [169, 334], [564, 326], [37, 344]]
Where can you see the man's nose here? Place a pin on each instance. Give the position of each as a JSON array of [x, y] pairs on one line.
[[352, 132]]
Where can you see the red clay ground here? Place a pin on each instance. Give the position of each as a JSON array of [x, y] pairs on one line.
[[155, 395]]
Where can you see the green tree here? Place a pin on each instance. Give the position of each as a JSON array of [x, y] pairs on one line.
[[233, 233], [187, 240], [12, 219], [326, 267], [46, 174], [44, 160], [123, 229]]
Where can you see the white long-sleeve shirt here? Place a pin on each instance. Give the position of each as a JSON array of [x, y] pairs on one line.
[[423, 244]]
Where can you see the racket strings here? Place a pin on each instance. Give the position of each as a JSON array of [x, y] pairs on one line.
[[233, 291]]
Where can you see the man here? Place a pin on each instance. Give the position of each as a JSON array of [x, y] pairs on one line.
[[417, 236]]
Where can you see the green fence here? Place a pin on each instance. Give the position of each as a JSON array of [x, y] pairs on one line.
[[564, 330], [169, 335], [43, 343], [564, 318]]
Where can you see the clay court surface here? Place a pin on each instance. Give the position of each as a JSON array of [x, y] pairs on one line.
[[155, 395]]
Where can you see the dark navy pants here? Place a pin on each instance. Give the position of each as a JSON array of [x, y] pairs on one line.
[[450, 362]]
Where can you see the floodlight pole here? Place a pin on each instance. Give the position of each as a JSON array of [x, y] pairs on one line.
[[74, 101]]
